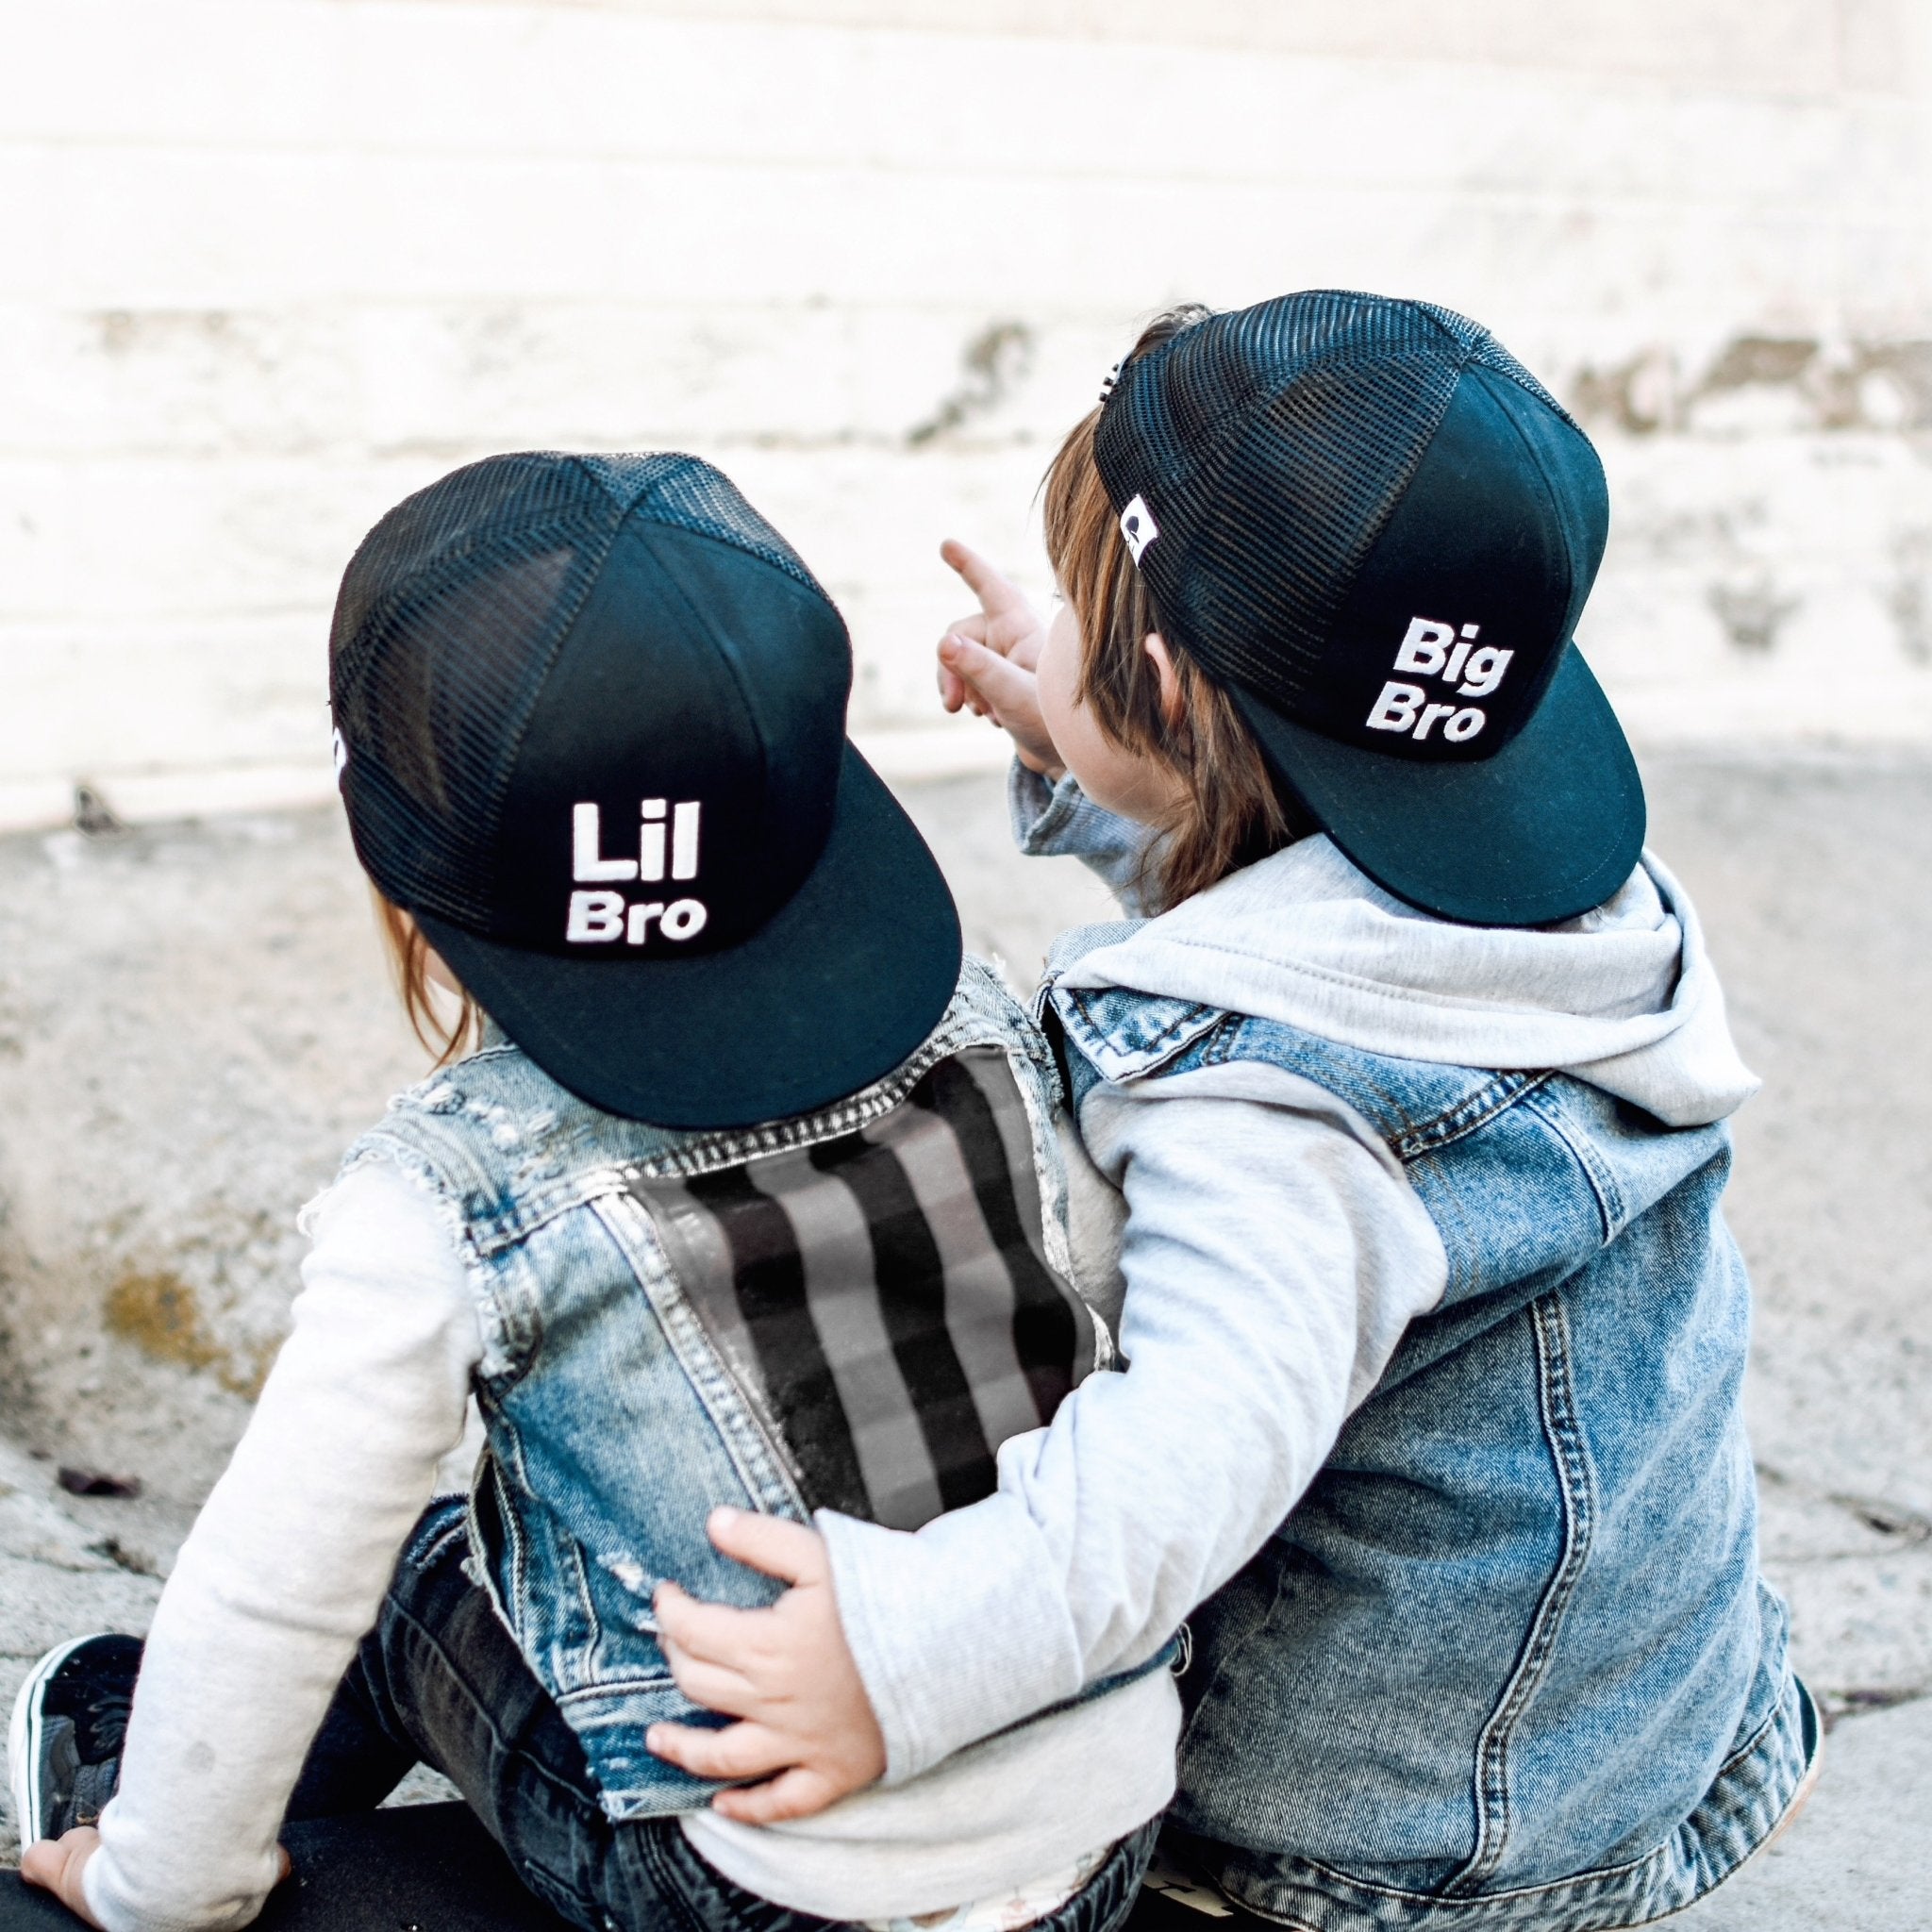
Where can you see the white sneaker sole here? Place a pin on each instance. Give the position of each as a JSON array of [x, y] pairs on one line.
[[24, 1741]]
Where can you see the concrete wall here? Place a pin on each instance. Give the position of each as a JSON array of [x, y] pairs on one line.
[[265, 265]]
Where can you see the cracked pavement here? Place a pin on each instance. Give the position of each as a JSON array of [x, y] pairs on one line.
[[194, 1022]]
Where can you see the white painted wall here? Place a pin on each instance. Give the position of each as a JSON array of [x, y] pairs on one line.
[[266, 265]]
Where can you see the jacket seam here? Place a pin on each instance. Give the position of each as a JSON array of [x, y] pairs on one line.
[[749, 1439], [614, 1687], [1218, 1048], [1766, 1727], [1469, 1115], [1586, 1884], [738, 1145], [507, 1332], [1563, 1435], [1226, 1663], [1153, 1054], [1410, 1142], [1603, 1185], [1050, 1183], [585, 1647], [515, 1544]]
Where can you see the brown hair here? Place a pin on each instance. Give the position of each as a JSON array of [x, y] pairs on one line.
[[1231, 812], [444, 1040]]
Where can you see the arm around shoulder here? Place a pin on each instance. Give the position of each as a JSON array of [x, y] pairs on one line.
[[1271, 1262]]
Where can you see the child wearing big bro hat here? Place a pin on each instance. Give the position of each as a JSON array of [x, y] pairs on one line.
[[734, 1199], [1404, 1093]]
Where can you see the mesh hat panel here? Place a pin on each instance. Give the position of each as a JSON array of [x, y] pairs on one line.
[[1261, 615], [449, 620], [1308, 413], [425, 725]]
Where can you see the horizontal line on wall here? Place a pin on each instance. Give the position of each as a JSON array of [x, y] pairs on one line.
[[1895, 719], [1696, 62], [145, 797], [1850, 199], [42, 804]]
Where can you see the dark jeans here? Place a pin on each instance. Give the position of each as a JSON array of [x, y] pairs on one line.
[[439, 1680]]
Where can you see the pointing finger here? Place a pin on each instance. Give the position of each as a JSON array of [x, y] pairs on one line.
[[997, 595]]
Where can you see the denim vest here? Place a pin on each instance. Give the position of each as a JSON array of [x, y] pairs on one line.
[[1509, 1662], [849, 1310]]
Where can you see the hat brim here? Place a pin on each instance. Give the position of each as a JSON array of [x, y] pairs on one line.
[[1546, 829], [828, 996]]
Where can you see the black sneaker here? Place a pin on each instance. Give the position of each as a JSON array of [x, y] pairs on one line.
[[64, 1747]]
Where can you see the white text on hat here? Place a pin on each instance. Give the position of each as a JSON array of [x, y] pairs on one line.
[[588, 865], [1434, 649], [1437, 650], [598, 917]]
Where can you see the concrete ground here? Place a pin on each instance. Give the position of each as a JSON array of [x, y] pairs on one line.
[[193, 1023]]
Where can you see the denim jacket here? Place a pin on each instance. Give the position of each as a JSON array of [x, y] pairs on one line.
[[1509, 1662], [851, 1309]]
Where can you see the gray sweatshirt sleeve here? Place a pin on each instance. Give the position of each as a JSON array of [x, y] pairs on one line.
[[286, 1563], [1060, 820], [1272, 1259]]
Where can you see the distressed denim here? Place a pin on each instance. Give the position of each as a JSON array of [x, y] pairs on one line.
[[1509, 1661], [851, 1309], [439, 1680]]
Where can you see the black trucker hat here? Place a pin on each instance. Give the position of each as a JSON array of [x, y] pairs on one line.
[[591, 732], [1374, 526]]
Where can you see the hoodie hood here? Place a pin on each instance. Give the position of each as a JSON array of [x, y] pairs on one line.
[[1623, 997]]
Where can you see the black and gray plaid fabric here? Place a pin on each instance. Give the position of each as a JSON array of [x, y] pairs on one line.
[[1272, 442], [449, 618], [884, 1298]]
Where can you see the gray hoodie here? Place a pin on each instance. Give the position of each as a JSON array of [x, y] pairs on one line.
[[1262, 1249]]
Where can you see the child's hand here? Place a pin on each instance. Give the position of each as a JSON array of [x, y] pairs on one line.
[[804, 1725], [55, 1864], [986, 661]]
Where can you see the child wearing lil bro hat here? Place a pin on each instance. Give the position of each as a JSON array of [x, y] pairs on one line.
[[1412, 1090], [748, 1195]]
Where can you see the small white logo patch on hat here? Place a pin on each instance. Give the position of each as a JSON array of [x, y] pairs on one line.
[[1138, 526]]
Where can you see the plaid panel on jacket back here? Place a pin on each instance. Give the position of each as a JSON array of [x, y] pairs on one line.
[[884, 1298]]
